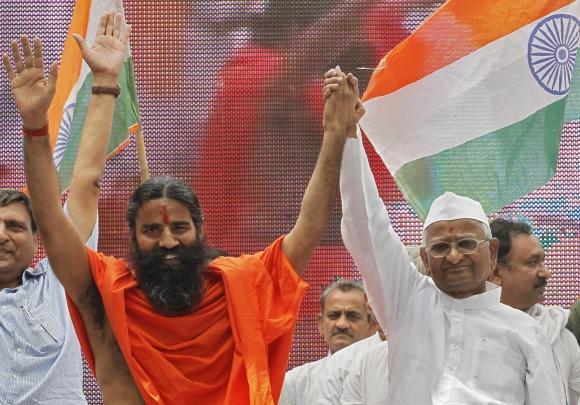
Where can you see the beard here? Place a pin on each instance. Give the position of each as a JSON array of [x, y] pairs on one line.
[[176, 286]]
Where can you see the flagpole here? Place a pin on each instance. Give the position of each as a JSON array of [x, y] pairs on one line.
[[142, 155]]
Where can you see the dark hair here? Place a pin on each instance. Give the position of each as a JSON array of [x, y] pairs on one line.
[[504, 230], [10, 196], [168, 187], [342, 285]]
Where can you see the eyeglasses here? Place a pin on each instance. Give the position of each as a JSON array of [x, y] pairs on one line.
[[465, 246]]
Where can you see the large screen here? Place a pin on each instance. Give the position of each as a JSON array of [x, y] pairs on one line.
[[231, 103]]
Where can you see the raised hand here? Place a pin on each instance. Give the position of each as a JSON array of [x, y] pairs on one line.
[[342, 108], [106, 56], [32, 90]]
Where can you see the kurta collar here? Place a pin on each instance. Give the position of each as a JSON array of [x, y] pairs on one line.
[[489, 298]]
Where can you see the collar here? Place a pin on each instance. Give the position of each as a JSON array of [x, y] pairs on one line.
[[33, 272], [487, 299]]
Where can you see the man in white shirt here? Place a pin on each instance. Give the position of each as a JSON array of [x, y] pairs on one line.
[[368, 381], [343, 320], [451, 341], [337, 368], [523, 276]]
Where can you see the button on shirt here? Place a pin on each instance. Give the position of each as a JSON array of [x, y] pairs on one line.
[[441, 350], [40, 355]]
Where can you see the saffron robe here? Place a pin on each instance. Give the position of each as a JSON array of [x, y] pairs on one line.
[[232, 349]]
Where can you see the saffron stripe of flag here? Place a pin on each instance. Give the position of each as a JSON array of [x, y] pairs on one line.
[[68, 110], [474, 101]]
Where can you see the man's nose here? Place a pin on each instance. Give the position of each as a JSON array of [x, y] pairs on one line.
[[544, 272], [167, 239], [3, 233], [342, 322], [454, 255]]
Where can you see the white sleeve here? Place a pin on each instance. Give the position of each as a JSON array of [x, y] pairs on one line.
[[543, 384], [389, 277], [574, 376]]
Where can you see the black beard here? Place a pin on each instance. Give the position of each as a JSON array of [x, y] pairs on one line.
[[172, 288]]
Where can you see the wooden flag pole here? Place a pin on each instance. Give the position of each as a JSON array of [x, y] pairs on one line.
[[142, 155]]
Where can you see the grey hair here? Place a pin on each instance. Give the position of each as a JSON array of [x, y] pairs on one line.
[[484, 226], [343, 285]]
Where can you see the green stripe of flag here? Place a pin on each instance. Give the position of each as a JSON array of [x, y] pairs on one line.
[[494, 169], [126, 115]]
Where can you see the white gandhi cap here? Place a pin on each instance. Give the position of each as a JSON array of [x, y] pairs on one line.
[[450, 206]]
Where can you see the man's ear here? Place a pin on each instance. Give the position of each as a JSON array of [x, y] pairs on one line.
[[493, 248], [425, 260], [319, 324], [495, 275]]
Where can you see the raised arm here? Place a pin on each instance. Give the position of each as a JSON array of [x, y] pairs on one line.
[[368, 234], [33, 93], [340, 114], [105, 59]]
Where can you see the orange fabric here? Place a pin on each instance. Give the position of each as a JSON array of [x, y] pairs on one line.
[[233, 349], [455, 30]]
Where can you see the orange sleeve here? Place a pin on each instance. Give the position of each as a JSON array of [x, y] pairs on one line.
[[281, 293]]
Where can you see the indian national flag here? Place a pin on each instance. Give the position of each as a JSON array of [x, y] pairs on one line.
[[475, 100], [69, 107]]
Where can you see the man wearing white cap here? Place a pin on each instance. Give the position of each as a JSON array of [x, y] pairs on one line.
[[451, 341]]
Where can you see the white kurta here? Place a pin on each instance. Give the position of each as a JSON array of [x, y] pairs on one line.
[[564, 347], [302, 384], [442, 350], [338, 366], [367, 383]]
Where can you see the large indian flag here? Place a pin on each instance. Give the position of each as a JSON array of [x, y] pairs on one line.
[[68, 110], [475, 100]]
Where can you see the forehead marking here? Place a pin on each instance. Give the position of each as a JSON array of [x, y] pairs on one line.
[[164, 216]]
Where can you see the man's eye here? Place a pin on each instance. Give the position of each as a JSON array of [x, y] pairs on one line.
[[439, 247], [467, 244]]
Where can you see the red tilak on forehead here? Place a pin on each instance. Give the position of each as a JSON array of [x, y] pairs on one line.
[[164, 216]]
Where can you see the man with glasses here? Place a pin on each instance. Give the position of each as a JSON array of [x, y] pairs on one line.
[[522, 274], [450, 338]]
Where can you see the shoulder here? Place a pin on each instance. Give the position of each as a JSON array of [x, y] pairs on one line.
[[356, 349], [306, 368]]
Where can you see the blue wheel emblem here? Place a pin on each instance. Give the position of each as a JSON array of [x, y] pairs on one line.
[[552, 52]]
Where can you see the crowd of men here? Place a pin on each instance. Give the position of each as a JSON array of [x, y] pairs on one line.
[[173, 324]]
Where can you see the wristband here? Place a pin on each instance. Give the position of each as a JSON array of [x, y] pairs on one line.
[[112, 90], [36, 132]]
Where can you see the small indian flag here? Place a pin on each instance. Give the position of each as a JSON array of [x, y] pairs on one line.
[[69, 107], [475, 100]]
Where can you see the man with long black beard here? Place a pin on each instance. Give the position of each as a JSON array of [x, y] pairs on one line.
[[171, 278], [153, 333]]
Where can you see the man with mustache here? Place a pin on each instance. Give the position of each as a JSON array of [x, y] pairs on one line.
[[183, 329], [522, 274], [343, 320]]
